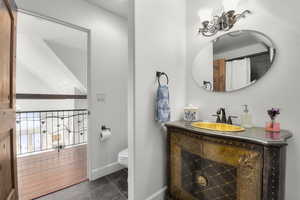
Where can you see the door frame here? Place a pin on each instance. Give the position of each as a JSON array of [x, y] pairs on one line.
[[131, 129], [8, 127], [88, 31]]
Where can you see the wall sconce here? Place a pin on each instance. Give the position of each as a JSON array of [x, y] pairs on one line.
[[223, 22]]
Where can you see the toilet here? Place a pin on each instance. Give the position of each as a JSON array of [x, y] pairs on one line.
[[123, 158]]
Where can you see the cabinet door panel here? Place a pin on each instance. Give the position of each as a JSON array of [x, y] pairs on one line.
[[204, 168], [6, 160], [8, 172]]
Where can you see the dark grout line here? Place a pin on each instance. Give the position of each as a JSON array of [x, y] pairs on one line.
[[108, 178], [120, 192]]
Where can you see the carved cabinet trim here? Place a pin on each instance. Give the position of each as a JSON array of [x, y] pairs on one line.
[[259, 169]]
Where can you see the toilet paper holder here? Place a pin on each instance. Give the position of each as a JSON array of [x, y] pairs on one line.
[[103, 128], [105, 133]]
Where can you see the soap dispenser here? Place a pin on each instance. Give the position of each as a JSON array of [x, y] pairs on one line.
[[246, 118]]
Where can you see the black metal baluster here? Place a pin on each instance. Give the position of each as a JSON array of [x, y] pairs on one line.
[[46, 128], [73, 124], [27, 132], [76, 126], [87, 126], [63, 127], [79, 116], [41, 138], [83, 126], [69, 129], [79, 127], [57, 124], [33, 131], [52, 130]]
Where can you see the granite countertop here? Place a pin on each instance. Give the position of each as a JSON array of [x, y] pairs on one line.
[[255, 134]]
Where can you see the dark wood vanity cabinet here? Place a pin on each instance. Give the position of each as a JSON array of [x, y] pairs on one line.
[[206, 165]]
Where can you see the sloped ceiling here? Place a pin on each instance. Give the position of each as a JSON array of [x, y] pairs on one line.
[[44, 54], [47, 30], [118, 7], [36, 57], [73, 58]]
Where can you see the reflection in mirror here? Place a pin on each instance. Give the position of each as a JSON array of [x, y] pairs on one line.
[[233, 61]]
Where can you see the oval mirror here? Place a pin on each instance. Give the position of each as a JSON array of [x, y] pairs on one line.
[[233, 61]]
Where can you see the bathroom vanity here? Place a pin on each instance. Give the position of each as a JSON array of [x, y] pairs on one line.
[[212, 165]]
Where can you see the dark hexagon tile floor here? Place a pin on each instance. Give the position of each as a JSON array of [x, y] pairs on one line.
[[111, 187]]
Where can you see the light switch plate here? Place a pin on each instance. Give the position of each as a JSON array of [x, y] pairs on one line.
[[101, 97]]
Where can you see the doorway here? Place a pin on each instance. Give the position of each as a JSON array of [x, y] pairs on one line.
[[52, 105]]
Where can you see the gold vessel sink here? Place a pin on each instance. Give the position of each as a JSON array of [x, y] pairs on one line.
[[218, 127]]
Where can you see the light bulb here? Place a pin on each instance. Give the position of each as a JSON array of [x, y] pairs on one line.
[[230, 4], [217, 11], [205, 14]]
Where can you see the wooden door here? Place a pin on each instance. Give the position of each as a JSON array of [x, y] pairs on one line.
[[219, 75], [8, 169]]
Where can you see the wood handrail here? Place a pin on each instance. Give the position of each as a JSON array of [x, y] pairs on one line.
[[49, 96]]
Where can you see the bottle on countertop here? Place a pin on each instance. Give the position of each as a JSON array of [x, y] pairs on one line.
[[246, 118]]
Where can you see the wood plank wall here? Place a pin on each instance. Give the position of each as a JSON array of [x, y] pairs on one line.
[[48, 172]]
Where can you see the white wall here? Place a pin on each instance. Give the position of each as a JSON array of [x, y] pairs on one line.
[[159, 45], [39, 71], [109, 66], [35, 58], [73, 58], [204, 62], [279, 87]]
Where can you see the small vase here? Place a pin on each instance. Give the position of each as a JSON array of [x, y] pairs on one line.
[[273, 126]]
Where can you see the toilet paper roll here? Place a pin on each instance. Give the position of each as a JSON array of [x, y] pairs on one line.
[[105, 135]]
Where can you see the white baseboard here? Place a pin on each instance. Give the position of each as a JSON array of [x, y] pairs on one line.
[[106, 170], [159, 195]]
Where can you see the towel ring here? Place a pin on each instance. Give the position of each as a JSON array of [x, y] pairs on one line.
[[159, 74], [207, 85]]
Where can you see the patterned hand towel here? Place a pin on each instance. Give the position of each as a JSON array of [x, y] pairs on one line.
[[163, 113]]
